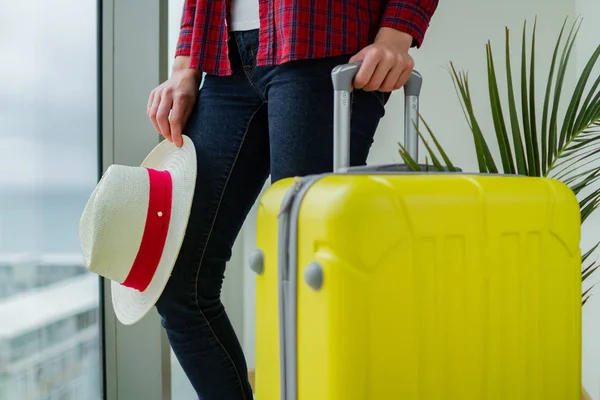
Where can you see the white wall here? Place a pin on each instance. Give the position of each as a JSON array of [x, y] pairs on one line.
[[458, 33]]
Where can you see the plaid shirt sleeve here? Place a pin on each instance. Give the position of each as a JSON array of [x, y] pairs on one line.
[[410, 16], [184, 43]]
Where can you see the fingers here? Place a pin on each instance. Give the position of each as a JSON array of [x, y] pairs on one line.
[[397, 76], [179, 114], [403, 78], [389, 83], [159, 107], [366, 70], [154, 102], [162, 113], [382, 69], [150, 101], [385, 67], [170, 105]]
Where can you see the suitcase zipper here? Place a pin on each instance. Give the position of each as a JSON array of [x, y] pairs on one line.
[[286, 203], [288, 287]]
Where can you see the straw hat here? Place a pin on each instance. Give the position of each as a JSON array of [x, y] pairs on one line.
[[133, 225]]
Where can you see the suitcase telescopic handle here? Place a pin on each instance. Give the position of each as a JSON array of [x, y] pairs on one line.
[[342, 77]]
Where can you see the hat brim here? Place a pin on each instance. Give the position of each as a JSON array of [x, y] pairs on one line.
[[131, 305]]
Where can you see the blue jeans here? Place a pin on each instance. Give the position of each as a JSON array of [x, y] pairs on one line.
[[260, 121]]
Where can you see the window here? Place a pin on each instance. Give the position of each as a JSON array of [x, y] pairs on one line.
[[48, 168], [87, 319], [25, 345]]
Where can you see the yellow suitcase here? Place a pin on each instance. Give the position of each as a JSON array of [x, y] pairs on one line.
[[386, 285]]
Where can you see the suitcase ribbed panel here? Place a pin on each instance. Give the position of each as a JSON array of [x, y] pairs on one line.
[[435, 287]]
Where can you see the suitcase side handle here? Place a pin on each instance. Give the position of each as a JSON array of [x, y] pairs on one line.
[[342, 77]]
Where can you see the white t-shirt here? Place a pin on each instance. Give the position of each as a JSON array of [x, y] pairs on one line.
[[244, 15]]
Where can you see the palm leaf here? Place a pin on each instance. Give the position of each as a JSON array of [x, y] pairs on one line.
[[586, 296], [408, 160], [484, 156], [512, 107], [569, 121], [414, 165], [530, 145], [591, 251], [498, 118], [589, 270], [449, 165], [554, 141], [536, 162], [436, 162], [544, 142]]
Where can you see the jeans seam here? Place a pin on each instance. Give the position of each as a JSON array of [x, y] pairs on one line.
[[253, 62], [214, 218], [250, 75]]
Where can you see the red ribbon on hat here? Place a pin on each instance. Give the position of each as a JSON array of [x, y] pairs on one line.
[[155, 231]]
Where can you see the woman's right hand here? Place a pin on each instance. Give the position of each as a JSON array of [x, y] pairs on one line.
[[170, 104]]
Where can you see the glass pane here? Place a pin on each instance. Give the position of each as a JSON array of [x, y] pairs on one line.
[[180, 385], [49, 334]]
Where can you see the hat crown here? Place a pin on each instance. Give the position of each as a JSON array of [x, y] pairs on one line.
[[112, 224]]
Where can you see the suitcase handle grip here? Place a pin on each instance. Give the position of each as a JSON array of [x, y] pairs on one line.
[[342, 77]]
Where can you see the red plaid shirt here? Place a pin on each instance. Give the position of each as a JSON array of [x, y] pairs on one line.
[[293, 30]]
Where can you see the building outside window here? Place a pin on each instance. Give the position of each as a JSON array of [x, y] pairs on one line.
[[49, 303]]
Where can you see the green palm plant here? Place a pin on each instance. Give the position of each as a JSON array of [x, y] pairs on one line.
[[563, 145]]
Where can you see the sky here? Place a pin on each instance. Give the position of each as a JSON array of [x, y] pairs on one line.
[[48, 93]]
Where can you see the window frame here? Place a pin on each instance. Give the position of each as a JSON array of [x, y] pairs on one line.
[[135, 359]]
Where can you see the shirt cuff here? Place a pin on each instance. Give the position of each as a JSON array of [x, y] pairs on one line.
[[408, 17], [184, 43]]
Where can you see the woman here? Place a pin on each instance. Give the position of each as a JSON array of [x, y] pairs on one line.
[[265, 108]]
